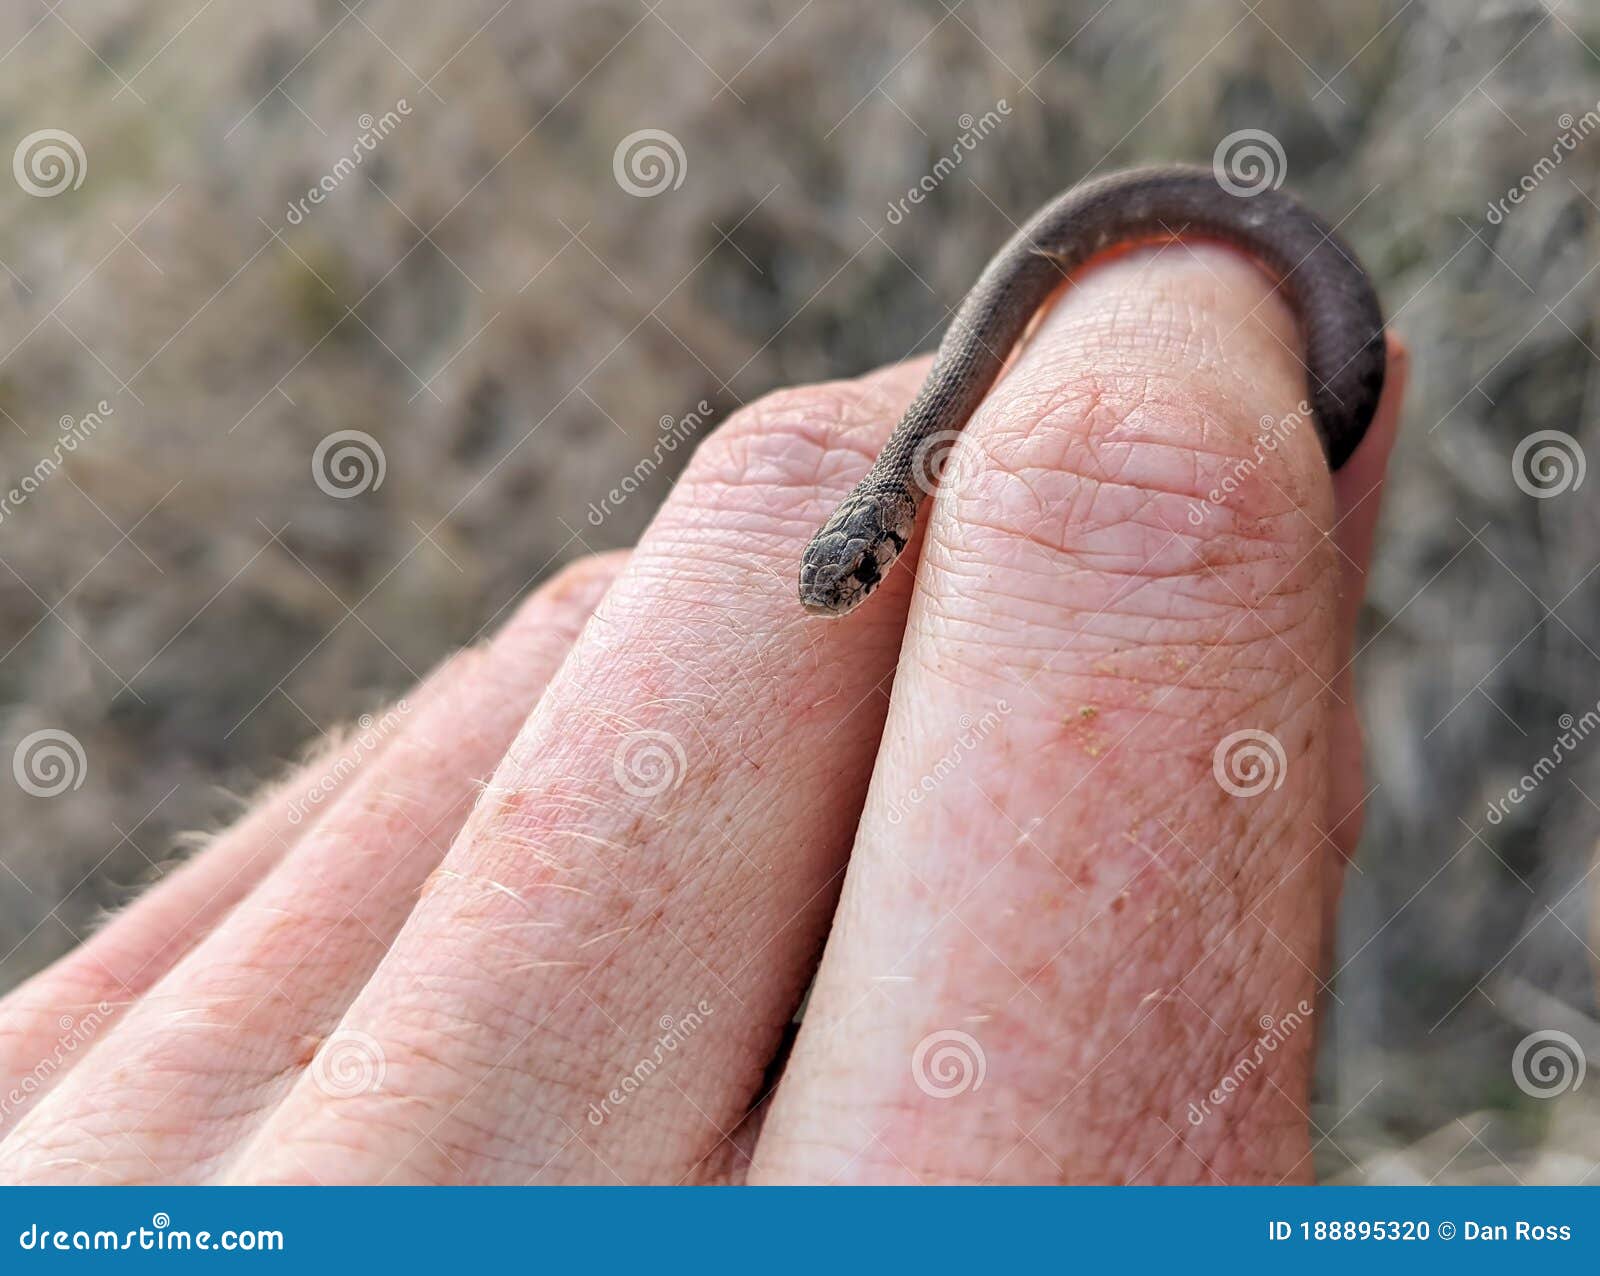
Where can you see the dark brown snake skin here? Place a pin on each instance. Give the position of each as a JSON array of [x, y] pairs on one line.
[[1340, 322]]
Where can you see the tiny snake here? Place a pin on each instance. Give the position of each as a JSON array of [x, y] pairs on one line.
[[1340, 321]]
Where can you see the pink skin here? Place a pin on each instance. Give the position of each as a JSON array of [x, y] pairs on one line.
[[1069, 887]]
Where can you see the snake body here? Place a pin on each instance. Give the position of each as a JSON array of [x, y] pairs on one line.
[[1340, 320]]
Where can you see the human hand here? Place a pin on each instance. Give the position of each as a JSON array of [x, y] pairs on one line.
[[1062, 930]]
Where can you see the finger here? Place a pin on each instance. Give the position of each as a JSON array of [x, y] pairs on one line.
[[1358, 501], [595, 981], [49, 1023], [1058, 930], [218, 1040], [1358, 486]]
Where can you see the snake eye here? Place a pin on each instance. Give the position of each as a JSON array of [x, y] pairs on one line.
[[833, 583]]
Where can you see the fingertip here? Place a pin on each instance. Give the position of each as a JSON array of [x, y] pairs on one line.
[[1358, 494], [1358, 483]]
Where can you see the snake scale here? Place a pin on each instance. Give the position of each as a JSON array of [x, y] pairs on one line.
[[1340, 321]]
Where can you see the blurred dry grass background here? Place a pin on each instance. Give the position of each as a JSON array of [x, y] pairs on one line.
[[483, 298]]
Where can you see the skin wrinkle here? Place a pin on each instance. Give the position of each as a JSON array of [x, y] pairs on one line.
[[827, 423], [1148, 470], [1136, 657], [816, 436], [987, 532], [553, 1081], [1122, 589]]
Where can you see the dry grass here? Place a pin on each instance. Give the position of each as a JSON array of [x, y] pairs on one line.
[[483, 298]]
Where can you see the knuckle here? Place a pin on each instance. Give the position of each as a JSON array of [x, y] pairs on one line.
[[1149, 473], [558, 607], [794, 437], [1167, 398], [579, 583], [1130, 502]]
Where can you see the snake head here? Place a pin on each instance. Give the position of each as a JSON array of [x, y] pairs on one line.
[[848, 557]]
